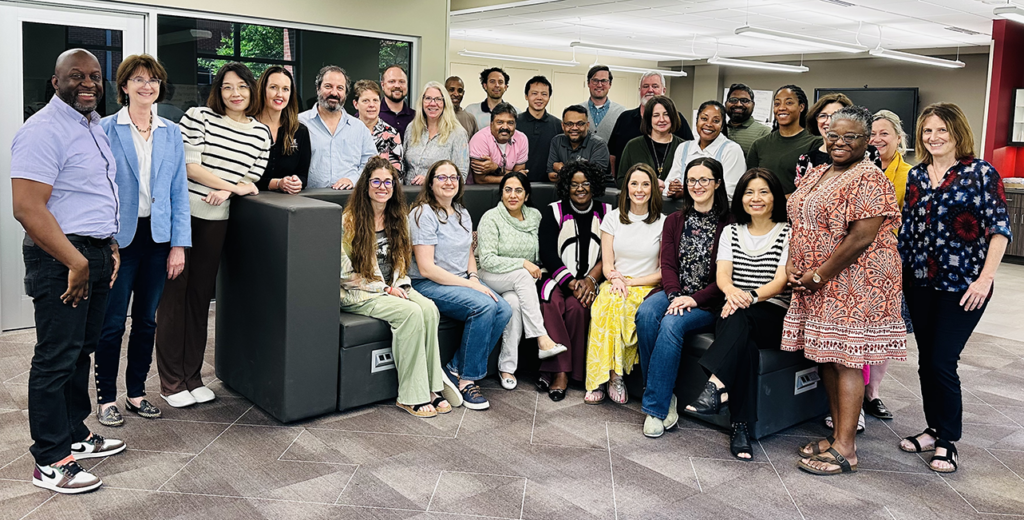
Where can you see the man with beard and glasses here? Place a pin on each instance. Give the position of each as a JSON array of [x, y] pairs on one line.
[[578, 142], [739, 104], [63, 179], [395, 111], [341, 143], [499, 148], [457, 89], [627, 127], [539, 126], [494, 81]]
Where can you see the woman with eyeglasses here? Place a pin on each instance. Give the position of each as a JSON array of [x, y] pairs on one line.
[[435, 134], [570, 251], [154, 232], [845, 273], [226, 152], [713, 143], [779, 151], [376, 254], [444, 270], [276, 105], [508, 249]]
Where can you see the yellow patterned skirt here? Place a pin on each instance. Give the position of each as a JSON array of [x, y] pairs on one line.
[[612, 339]]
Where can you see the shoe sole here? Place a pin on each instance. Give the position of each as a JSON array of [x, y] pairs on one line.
[[476, 406], [649, 436], [451, 393], [172, 405], [99, 454], [111, 424], [673, 425], [66, 491], [206, 400]]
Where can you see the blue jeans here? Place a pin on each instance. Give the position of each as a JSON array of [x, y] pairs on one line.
[[485, 321], [143, 271], [660, 341]]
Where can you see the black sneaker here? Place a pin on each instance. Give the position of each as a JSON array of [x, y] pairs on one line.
[[96, 446], [68, 479]]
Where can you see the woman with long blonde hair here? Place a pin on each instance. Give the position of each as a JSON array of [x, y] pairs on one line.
[[434, 135]]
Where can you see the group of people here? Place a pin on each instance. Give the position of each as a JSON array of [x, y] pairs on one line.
[[786, 237]]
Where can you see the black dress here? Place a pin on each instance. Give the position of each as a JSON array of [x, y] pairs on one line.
[[296, 163]]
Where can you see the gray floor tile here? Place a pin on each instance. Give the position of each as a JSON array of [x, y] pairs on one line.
[[479, 494]]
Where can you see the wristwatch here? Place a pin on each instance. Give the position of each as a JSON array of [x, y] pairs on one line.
[[815, 278], [753, 294]]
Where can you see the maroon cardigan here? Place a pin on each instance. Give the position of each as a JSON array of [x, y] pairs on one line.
[[708, 297]]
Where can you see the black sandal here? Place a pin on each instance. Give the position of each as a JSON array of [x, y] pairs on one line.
[[951, 456], [837, 458], [739, 442], [709, 402], [917, 445]]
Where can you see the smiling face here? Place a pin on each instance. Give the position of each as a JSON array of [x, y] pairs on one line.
[[503, 126], [513, 195], [433, 103], [235, 93], [538, 96], [639, 187], [333, 89], [445, 183], [368, 105], [78, 81], [787, 108], [279, 91], [384, 188], [844, 153], [395, 84], [701, 184], [575, 126], [579, 189], [456, 90], [495, 85], [709, 123], [661, 122], [651, 86], [140, 89], [758, 199], [885, 138], [740, 106], [937, 137], [824, 118], [599, 84]]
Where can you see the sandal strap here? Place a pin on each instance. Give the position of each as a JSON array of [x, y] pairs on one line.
[[838, 459]]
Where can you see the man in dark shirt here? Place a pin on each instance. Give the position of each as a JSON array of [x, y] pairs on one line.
[[539, 126], [578, 142], [395, 111], [628, 126]]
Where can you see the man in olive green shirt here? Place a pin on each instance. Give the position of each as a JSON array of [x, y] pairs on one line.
[[742, 127]]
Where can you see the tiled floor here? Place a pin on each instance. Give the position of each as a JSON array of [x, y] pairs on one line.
[[528, 457]]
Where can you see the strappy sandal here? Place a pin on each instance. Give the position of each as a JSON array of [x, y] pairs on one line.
[[811, 449], [617, 391], [446, 408], [595, 396], [951, 457], [917, 445], [739, 442], [417, 410], [709, 402], [837, 459]]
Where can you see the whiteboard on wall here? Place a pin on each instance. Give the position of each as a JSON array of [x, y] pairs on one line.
[[762, 105]]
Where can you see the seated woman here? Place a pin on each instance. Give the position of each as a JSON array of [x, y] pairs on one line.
[[444, 270], [691, 299], [376, 254], [630, 242], [752, 256], [570, 250], [507, 244]]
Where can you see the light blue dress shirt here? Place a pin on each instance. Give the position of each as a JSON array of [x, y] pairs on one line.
[[337, 156]]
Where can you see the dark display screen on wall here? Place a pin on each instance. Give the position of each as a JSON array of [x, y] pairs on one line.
[[902, 101]]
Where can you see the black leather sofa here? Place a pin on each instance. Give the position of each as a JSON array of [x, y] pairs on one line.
[[282, 342]]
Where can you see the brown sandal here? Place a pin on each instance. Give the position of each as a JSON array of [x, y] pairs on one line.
[[445, 408], [812, 449], [417, 410]]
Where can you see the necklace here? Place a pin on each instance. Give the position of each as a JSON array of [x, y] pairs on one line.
[[659, 164], [583, 211], [148, 128]]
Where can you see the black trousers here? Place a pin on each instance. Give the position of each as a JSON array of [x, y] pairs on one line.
[[734, 357], [941, 328], [58, 382]]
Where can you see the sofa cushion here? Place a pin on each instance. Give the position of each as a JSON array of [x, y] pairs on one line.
[[357, 329]]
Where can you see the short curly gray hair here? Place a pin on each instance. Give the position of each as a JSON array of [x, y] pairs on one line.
[[897, 124], [858, 115]]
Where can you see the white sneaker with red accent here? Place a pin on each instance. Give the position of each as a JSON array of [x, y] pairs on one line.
[[68, 479]]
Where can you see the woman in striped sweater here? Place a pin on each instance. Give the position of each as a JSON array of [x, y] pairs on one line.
[[225, 154], [752, 256]]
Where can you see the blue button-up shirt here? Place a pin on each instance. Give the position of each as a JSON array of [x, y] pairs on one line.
[[61, 147], [337, 156]]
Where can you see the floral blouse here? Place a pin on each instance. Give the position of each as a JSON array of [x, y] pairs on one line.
[[945, 233], [695, 246], [389, 146]]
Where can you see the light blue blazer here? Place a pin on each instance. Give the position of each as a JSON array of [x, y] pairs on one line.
[[168, 183]]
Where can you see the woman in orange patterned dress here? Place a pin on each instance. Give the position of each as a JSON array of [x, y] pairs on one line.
[[846, 275]]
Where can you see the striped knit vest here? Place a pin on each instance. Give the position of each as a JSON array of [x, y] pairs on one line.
[[753, 269]]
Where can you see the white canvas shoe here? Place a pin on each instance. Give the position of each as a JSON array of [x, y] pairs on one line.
[[203, 394], [180, 400]]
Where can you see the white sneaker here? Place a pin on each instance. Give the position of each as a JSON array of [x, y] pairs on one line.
[[68, 479], [203, 395], [96, 446], [180, 400]]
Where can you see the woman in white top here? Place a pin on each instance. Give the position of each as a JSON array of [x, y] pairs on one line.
[[712, 141], [630, 248]]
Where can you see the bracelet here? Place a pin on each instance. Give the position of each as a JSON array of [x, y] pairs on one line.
[[592, 280], [474, 275]]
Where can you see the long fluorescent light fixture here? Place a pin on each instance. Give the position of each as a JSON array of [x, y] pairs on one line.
[[917, 58], [498, 7], [638, 70], [524, 59], [763, 65], [1010, 12], [822, 43], [634, 50]]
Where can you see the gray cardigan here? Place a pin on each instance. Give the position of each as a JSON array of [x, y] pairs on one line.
[[608, 122]]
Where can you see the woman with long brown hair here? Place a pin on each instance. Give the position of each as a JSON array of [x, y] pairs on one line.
[[376, 253], [276, 104]]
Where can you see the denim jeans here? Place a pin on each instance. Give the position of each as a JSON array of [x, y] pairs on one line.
[[143, 271], [58, 382], [660, 340], [485, 321]]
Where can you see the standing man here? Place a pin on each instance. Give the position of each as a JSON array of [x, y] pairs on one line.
[[578, 142], [396, 112], [499, 148], [739, 104], [457, 89], [601, 111], [65, 196], [341, 143], [538, 126], [494, 81], [628, 126]]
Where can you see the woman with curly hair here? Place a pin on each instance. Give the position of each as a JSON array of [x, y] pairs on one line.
[[376, 254], [570, 251]]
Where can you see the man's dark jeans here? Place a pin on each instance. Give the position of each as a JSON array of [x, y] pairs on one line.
[[58, 383]]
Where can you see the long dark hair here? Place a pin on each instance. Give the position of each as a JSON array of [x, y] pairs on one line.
[[290, 114], [778, 196], [359, 224], [427, 198], [800, 98], [215, 101], [523, 179], [720, 206]]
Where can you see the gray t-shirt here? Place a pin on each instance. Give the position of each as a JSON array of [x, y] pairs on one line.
[[451, 240]]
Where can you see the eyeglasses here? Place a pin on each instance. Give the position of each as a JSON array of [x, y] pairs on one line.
[[704, 181], [445, 178], [377, 182], [232, 88], [847, 138], [140, 81], [578, 185], [435, 100], [510, 190], [823, 117], [577, 124], [742, 101], [600, 81]]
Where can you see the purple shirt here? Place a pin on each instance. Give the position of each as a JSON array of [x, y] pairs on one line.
[[517, 150], [399, 120], [60, 147]]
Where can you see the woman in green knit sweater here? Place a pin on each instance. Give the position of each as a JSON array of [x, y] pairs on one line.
[[657, 146], [508, 250]]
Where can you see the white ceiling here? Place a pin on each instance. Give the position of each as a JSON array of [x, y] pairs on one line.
[[703, 26]]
